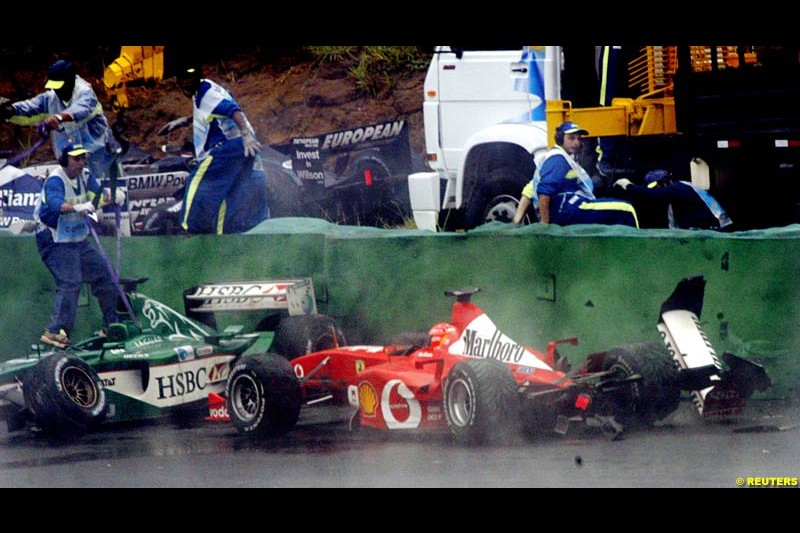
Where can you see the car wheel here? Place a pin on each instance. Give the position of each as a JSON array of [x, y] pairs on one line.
[[650, 399], [65, 395], [164, 219], [481, 402], [283, 195], [302, 334], [373, 164], [263, 395]]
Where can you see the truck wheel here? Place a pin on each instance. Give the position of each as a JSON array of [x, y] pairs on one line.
[[481, 402], [303, 334], [65, 395], [502, 209], [496, 198], [531, 215], [263, 395], [284, 195], [653, 398]]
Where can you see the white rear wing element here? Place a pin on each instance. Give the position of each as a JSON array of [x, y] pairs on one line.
[[294, 294], [689, 347], [716, 392]]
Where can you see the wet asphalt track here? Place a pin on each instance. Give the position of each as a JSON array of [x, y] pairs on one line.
[[322, 452]]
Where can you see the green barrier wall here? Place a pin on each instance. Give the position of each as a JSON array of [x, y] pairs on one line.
[[604, 285]]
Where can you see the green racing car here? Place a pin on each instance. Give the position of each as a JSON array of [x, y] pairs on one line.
[[157, 361]]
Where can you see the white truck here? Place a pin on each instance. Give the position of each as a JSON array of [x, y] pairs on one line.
[[479, 136], [728, 119]]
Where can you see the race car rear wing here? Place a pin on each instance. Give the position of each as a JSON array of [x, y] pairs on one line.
[[293, 294], [716, 391]]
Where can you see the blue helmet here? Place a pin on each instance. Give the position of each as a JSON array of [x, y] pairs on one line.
[[657, 175]]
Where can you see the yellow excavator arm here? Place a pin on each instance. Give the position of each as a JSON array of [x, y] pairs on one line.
[[651, 74], [135, 63]]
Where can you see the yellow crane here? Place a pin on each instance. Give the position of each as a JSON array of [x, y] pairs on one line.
[[652, 75], [135, 63]]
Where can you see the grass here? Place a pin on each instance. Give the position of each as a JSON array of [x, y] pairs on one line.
[[373, 68]]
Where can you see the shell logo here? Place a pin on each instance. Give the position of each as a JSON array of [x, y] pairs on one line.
[[367, 399]]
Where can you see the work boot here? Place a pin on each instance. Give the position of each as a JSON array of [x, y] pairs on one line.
[[59, 340]]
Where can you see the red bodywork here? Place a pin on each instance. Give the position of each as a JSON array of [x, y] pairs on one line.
[[397, 391], [403, 387]]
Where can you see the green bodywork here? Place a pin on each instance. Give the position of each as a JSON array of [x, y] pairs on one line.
[[167, 363]]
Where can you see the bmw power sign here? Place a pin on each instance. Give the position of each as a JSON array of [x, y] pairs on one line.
[[18, 199]]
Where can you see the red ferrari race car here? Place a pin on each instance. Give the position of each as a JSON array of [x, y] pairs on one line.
[[468, 377]]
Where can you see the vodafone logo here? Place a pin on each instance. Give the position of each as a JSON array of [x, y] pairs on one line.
[[399, 407], [219, 413]]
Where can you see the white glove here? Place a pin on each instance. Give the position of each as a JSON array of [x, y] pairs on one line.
[[175, 124], [623, 182], [85, 207], [251, 145], [119, 196]]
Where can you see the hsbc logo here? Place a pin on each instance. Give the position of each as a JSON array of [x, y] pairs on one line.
[[182, 383]]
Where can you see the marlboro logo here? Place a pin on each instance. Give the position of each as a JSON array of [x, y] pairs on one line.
[[482, 339], [492, 347]]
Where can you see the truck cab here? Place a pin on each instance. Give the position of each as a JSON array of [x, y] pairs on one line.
[[485, 125], [723, 117], [479, 136]]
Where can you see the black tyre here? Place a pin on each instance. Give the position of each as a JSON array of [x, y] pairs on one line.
[[385, 203], [283, 194], [372, 163], [502, 208], [481, 403], [496, 197], [299, 335], [164, 220], [653, 398], [263, 395], [64, 395], [16, 421]]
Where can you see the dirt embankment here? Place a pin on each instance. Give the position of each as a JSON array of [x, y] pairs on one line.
[[283, 95]]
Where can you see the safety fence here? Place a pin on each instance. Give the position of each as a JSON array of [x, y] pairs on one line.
[[604, 285]]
